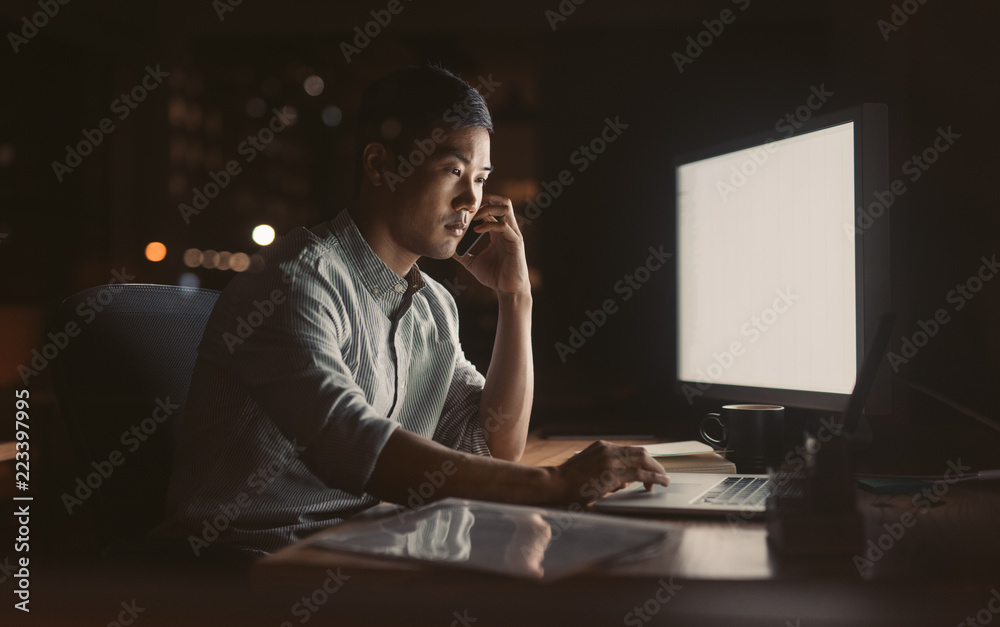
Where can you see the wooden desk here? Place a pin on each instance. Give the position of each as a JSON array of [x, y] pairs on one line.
[[943, 570], [727, 570], [694, 548]]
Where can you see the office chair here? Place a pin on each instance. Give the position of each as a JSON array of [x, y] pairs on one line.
[[121, 383]]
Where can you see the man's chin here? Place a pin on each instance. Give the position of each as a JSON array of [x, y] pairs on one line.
[[446, 251]]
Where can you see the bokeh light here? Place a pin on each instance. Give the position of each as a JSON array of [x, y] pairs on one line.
[[223, 263], [189, 279], [313, 85], [210, 259], [256, 107], [193, 257], [263, 234], [239, 262], [156, 251], [391, 128], [332, 115]]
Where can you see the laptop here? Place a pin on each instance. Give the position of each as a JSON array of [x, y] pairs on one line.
[[745, 495]]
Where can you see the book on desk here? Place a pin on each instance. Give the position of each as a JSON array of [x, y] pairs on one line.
[[690, 456]]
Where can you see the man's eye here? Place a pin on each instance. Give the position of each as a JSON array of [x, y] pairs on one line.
[[456, 172], [481, 180]]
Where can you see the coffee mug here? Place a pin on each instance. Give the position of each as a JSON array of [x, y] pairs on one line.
[[753, 433]]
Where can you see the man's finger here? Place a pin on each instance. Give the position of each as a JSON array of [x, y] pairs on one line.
[[648, 476]]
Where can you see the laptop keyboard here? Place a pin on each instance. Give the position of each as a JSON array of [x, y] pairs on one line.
[[738, 491]]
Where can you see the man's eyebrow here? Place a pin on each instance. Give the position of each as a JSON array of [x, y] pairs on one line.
[[461, 157]]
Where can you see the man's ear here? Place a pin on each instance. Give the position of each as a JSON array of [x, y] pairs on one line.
[[376, 160]]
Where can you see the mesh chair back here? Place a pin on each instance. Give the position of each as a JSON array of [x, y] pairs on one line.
[[122, 383]]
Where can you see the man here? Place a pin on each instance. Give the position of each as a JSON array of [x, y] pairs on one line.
[[332, 377]]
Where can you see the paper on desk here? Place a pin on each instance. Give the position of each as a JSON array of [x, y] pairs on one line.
[[671, 449]]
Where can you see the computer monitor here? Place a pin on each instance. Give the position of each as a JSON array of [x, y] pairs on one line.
[[783, 263]]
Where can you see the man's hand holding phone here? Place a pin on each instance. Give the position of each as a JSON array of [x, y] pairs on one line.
[[501, 265]]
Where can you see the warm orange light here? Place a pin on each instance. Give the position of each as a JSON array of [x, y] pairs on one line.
[[155, 251]]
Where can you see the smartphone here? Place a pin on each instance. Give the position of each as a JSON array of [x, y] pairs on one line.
[[469, 239]]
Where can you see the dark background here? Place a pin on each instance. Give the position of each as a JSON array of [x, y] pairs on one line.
[[556, 89]]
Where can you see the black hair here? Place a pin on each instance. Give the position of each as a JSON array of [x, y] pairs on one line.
[[405, 106]]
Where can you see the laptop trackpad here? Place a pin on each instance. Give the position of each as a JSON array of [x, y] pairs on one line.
[[679, 491]]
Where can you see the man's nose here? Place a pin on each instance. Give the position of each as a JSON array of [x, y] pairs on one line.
[[469, 200]]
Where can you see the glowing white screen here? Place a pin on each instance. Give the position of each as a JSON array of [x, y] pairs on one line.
[[763, 260]]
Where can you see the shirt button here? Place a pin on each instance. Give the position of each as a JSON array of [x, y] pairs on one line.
[[399, 288], [376, 291]]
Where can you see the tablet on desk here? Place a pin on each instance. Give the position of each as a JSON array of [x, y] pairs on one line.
[[512, 540]]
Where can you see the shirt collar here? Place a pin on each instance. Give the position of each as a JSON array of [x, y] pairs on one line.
[[377, 277]]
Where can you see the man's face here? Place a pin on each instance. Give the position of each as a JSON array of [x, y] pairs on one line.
[[432, 208]]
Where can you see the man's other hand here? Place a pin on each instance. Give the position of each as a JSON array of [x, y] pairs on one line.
[[603, 468]]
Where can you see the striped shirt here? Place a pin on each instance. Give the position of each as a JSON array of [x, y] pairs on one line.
[[305, 369]]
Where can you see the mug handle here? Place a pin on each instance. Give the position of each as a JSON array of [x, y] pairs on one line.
[[707, 437]]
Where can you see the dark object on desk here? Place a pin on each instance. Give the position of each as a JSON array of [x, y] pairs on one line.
[[753, 431], [813, 507], [814, 512], [899, 485], [122, 381]]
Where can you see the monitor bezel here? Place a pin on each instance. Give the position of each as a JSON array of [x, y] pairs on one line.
[[871, 250]]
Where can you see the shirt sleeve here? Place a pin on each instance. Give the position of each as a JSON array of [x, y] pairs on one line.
[[291, 362], [459, 426]]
